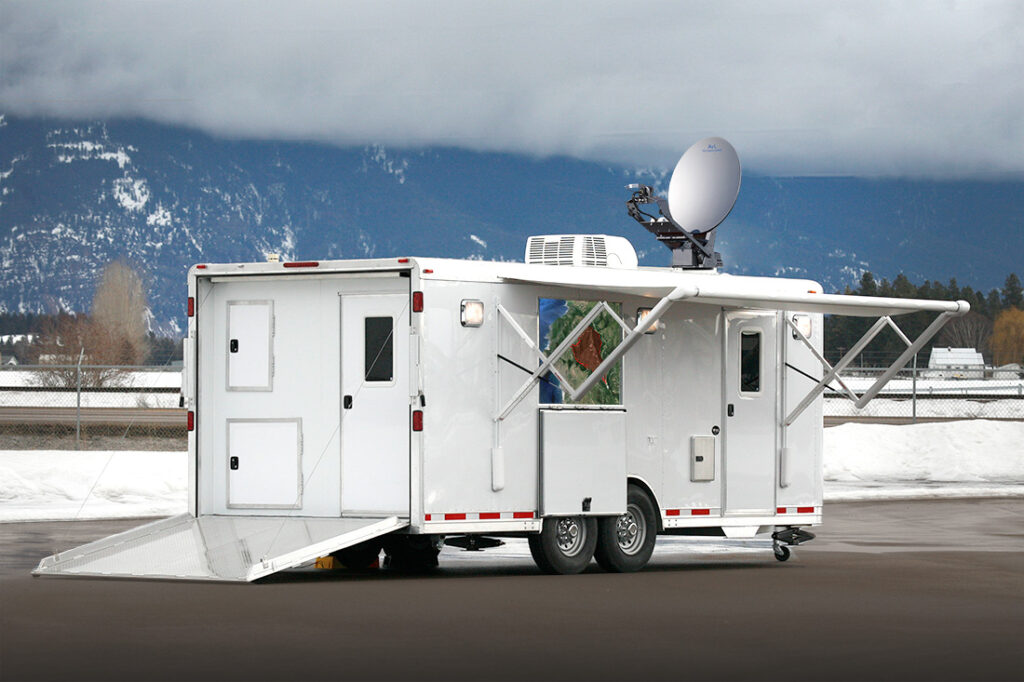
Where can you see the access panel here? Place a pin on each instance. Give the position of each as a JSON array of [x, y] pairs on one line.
[[265, 463], [583, 462]]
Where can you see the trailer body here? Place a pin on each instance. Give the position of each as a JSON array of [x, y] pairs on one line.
[[333, 402]]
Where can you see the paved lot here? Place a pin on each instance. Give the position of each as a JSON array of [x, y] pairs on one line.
[[926, 590]]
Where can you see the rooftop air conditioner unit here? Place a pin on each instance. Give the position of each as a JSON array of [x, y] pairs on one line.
[[599, 250]]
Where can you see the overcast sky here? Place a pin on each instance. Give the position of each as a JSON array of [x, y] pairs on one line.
[[916, 88]]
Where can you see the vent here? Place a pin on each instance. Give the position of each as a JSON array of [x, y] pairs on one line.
[[581, 250]]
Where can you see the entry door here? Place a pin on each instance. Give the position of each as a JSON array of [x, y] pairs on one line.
[[750, 413], [375, 416]]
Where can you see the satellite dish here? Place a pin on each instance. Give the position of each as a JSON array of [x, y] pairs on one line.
[[704, 185]]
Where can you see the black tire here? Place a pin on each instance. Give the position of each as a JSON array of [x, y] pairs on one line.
[[359, 557], [565, 545], [782, 552], [625, 543], [413, 553]]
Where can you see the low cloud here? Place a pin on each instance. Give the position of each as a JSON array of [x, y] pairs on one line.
[[865, 88]]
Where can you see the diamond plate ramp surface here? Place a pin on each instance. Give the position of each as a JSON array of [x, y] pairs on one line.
[[221, 548]]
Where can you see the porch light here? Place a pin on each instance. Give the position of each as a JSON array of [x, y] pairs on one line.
[[472, 313], [803, 325], [641, 315]]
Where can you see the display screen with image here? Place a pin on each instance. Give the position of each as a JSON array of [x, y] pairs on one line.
[[558, 317]]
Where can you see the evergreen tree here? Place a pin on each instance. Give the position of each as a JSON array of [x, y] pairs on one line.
[[1012, 293]]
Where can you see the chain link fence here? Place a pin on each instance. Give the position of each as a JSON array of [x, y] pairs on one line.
[[921, 394], [91, 407]]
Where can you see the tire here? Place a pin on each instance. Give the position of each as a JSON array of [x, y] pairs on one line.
[[359, 557], [565, 545], [625, 543], [782, 552], [412, 553]]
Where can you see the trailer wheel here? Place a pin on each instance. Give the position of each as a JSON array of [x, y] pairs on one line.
[[625, 543], [781, 552], [565, 545], [359, 557], [412, 553]]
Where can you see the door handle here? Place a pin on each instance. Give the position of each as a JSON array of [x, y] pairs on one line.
[[347, 402], [730, 410], [234, 463], [233, 346]]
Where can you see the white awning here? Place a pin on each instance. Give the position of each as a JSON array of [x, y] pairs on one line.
[[762, 293]]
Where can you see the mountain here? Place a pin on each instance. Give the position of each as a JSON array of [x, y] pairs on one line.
[[75, 195]]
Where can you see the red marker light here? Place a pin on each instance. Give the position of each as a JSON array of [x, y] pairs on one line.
[[191, 306], [191, 420], [403, 260], [417, 420], [302, 264], [417, 301]]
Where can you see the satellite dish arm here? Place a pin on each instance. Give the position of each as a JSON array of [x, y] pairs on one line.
[[643, 194]]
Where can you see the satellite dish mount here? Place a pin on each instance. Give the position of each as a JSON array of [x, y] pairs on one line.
[[701, 193]]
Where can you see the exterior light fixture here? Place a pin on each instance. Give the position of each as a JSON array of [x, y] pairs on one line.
[[641, 315], [803, 325], [472, 314]]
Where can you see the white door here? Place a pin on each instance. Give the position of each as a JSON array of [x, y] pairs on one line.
[[375, 414], [250, 345], [750, 413], [264, 463]]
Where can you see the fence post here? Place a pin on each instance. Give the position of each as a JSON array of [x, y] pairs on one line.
[[913, 392], [78, 401]]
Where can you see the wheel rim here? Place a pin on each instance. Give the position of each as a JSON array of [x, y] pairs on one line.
[[571, 535], [631, 530]]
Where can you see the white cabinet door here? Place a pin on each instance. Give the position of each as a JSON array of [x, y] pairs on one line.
[[265, 463], [250, 345], [375, 415]]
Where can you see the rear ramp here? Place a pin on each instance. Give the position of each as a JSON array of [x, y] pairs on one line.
[[218, 548]]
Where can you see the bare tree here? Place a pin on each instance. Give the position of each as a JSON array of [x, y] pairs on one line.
[[1008, 337], [973, 330], [119, 317]]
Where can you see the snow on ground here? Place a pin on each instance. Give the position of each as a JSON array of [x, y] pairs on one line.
[[861, 461], [46, 485]]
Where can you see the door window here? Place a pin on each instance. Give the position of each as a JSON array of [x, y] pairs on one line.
[[379, 343], [750, 362]]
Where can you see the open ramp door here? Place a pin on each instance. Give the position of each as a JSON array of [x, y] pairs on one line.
[[220, 548]]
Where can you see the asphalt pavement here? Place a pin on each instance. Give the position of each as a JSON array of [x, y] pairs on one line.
[[916, 590]]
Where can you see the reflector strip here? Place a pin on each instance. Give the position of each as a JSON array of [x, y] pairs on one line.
[[191, 420], [191, 306], [700, 512], [481, 516], [417, 420], [796, 510], [417, 301], [672, 512], [302, 264]]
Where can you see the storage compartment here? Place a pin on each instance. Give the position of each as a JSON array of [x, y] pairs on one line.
[[250, 345], [702, 458], [583, 462], [265, 463]]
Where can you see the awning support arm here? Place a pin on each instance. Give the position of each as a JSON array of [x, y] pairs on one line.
[[833, 372]]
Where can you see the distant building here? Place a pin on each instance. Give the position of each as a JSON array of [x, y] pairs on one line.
[[956, 363]]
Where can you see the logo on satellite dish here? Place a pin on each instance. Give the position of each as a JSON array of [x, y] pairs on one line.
[[711, 147]]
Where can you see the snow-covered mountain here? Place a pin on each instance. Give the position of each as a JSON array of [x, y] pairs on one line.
[[75, 195]]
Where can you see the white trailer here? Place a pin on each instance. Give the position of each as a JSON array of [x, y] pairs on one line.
[[342, 407]]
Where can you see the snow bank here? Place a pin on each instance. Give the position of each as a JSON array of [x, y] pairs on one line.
[[978, 451], [45, 485], [862, 461]]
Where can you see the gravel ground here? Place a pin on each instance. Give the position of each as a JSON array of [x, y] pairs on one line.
[[21, 441]]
